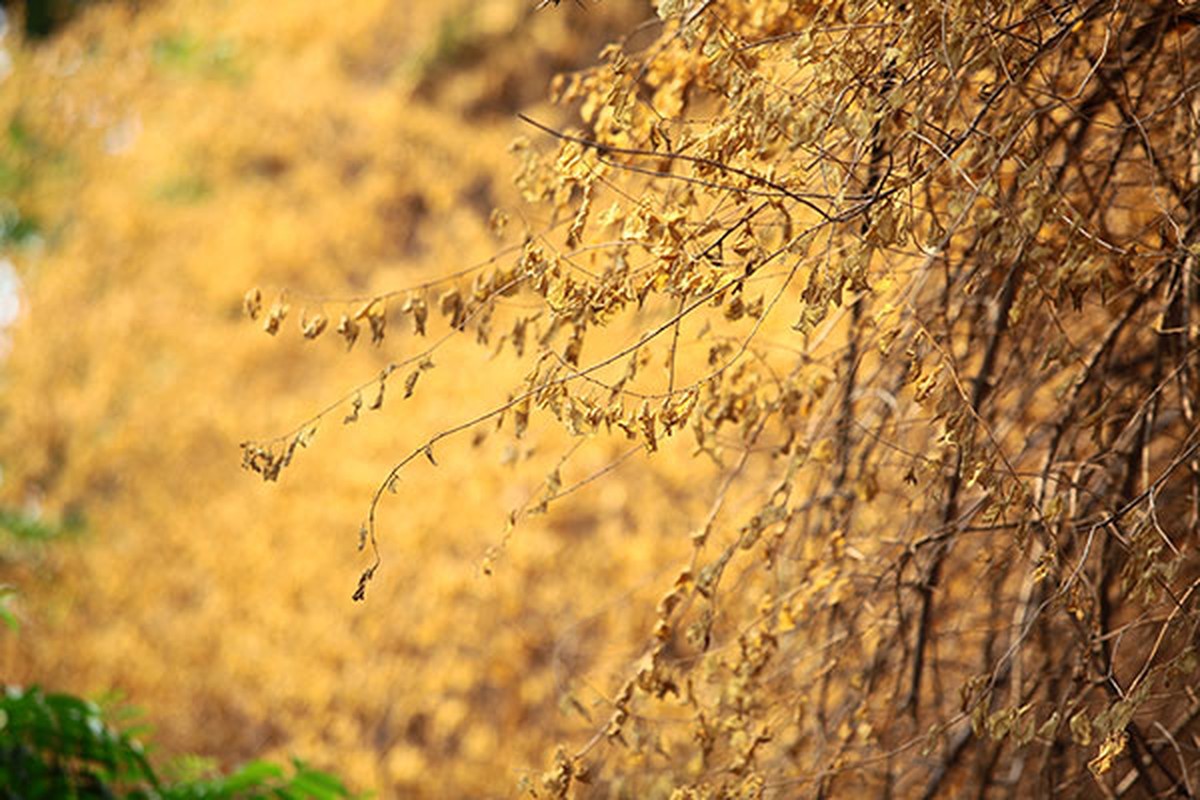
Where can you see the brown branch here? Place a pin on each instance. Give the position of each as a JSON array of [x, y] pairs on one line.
[[979, 393], [602, 149]]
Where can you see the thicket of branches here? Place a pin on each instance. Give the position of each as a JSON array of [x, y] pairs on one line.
[[920, 278]]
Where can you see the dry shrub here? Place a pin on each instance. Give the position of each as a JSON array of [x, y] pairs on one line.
[[919, 278]]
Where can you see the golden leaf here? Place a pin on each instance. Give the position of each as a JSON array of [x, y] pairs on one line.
[[1112, 747], [348, 330], [279, 310], [252, 303], [314, 326]]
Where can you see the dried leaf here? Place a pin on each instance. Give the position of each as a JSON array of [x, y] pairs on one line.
[[517, 337], [1112, 747], [360, 593], [450, 304], [420, 315], [521, 417], [1081, 729], [377, 403], [497, 222], [355, 407], [647, 422], [314, 326], [252, 303], [377, 318], [279, 311], [348, 330], [410, 383]]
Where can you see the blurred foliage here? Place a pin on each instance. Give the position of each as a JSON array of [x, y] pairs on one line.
[[43, 17], [25, 527], [60, 746], [7, 595], [56, 745]]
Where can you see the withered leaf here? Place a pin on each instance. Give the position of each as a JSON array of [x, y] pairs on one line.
[[521, 418], [377, 403], [420, 312], [374, 311], [377, 326], [497, 221], [360, 593], [755, 307], [1112, 747], [518, 335], [279, 310], [647, 420], [348, 330], [574, 346], [252, 303], [735, 309], [451, 305], [355, 407], [313, 327]]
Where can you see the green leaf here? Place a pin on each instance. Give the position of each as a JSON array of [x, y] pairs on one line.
[[7, 596]]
